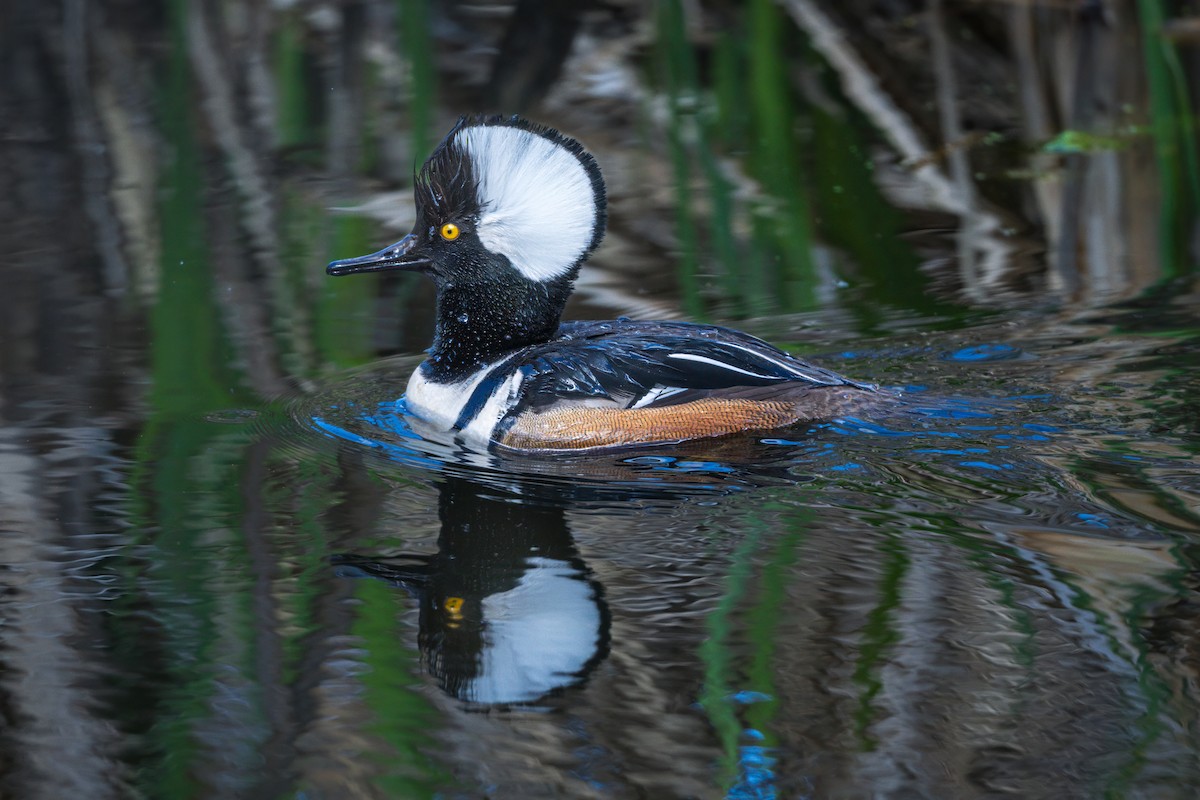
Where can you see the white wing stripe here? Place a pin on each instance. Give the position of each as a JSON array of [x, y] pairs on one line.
[[777, 362], [806, 371], [720, 364]]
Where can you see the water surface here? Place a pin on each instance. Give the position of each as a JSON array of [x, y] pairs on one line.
[[232, 568]]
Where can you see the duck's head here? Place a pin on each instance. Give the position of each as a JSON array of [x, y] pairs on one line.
[[501, 200]]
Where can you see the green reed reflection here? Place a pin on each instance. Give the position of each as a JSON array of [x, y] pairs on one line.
[[209, 662], [804, 168], [305, 550], [182, 462], [344, 318], [1174, 129], [1145, 691], [403, 718], [1154, 694], [772, 269], [878, 636], [853, 216], [717, 658], [678, 73], [774, 156], [724, 679], [416, 46], [763, 623], [294, 115]]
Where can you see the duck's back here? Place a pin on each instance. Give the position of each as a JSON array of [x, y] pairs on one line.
[[609, 384]]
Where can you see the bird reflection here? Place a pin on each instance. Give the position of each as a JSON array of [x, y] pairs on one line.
[[509, 612]]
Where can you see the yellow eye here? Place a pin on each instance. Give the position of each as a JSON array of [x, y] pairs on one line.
[[450, 231]]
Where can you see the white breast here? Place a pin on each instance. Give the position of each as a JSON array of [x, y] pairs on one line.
[[440, 405]]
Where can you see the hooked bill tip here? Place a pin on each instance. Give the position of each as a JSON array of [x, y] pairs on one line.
[[349, 266]]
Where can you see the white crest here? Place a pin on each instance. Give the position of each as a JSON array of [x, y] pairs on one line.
[[537, 199]]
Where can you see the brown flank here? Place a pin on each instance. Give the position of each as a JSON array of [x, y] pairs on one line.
[[579, 427]]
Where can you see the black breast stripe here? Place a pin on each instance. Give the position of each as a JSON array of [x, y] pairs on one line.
[[485, 389]]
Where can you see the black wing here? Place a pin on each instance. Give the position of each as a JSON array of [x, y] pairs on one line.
[[644, 364]]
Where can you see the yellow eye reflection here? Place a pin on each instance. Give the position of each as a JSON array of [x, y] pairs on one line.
[[450, 231], [454, 615]]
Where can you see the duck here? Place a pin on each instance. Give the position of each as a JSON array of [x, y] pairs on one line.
[[507, 212]]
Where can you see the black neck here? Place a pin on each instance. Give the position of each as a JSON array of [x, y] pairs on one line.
[[480, 322]]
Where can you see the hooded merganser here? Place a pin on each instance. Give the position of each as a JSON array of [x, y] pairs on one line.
[[507, 211]]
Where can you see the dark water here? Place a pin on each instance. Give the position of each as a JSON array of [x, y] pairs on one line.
[[989, 592], [233, 568]]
